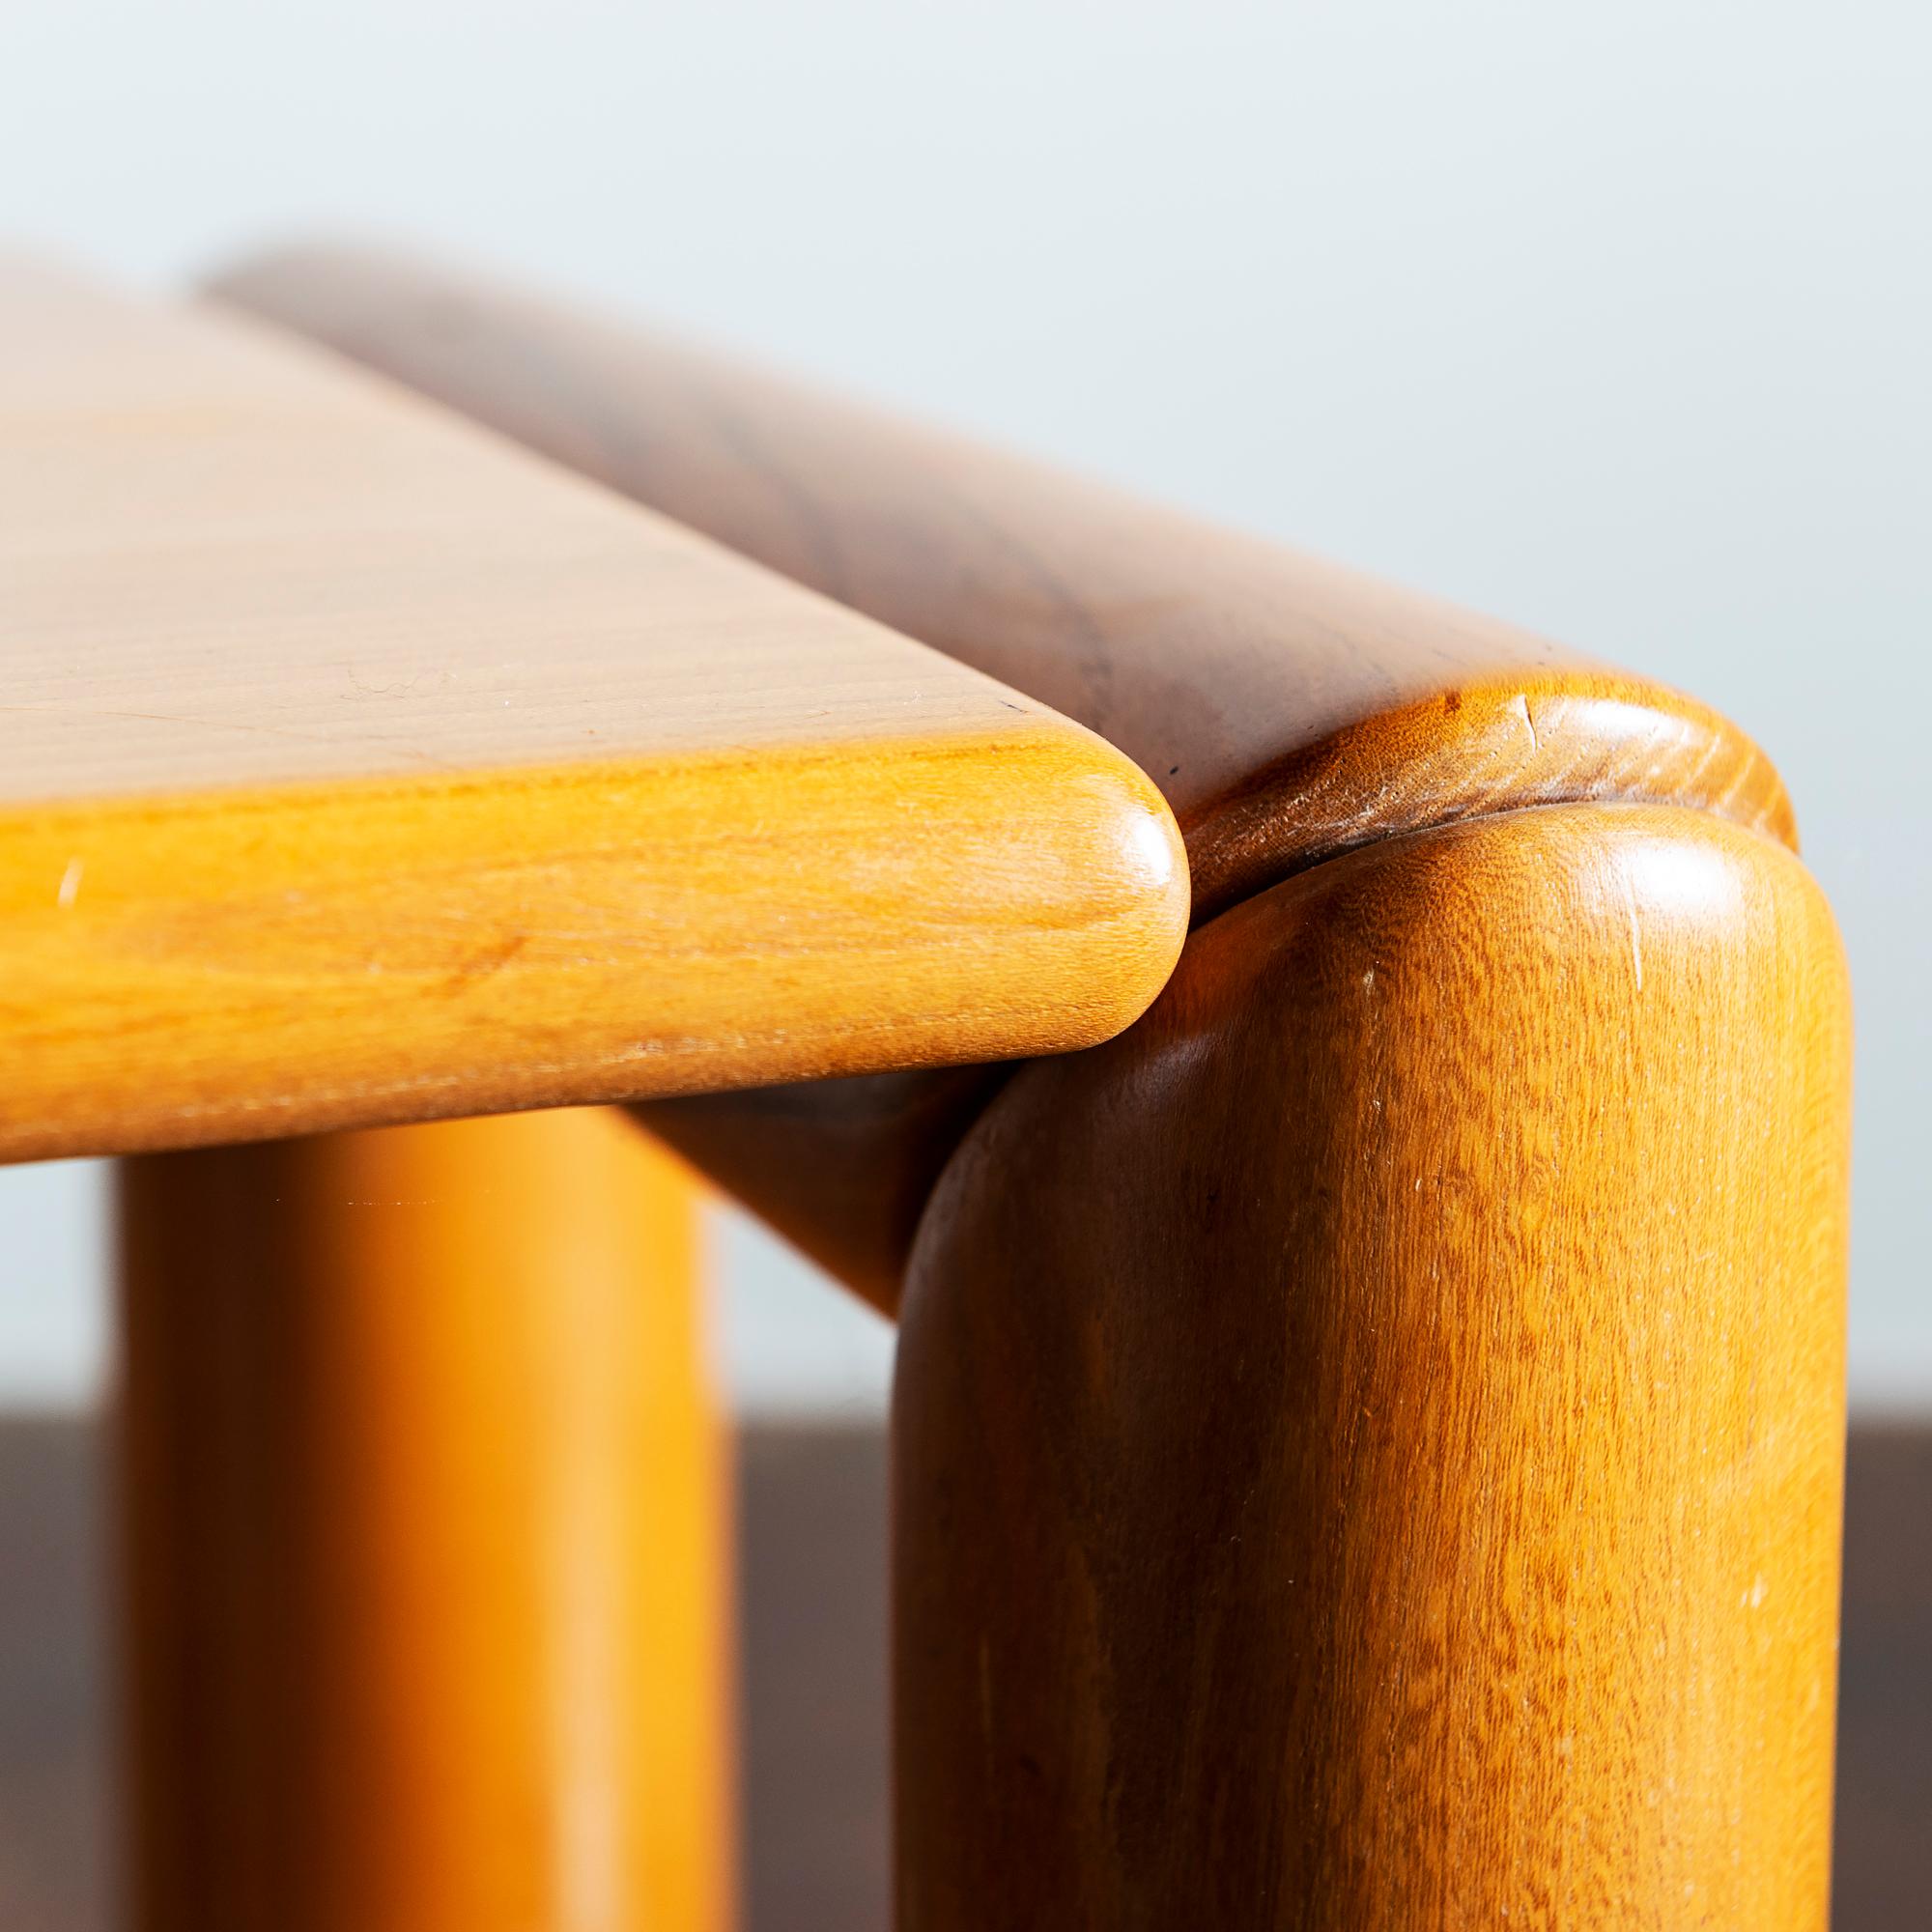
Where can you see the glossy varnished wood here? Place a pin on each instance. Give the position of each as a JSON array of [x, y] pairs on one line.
[[426, 1607], [1288, 709], [842, 1169], [356, 766], [1368, 1443]]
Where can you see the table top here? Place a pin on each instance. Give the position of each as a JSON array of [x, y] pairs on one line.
[[356, 766]]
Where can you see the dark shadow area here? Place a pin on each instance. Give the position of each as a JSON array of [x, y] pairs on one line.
[[54, 1836], [1881, 1873], [812, 1743], [812, 1593]]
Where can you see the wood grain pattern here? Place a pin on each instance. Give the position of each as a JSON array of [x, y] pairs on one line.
[[428, 1610], [1289, 709], [1286, 707], [842, 1169], [1368, 1443], [356, 767]]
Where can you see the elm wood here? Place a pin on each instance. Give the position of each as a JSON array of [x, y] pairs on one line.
[[1286, 707], [1289, 709], [1145, 1787], [1368, 1443], [354, 766], [842, 1169], [427, 1599]]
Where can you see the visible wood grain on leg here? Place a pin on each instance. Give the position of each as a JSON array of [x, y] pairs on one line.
[[426, 1598], [1369, 1442]]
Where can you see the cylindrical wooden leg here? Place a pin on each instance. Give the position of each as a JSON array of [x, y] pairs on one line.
[[1368, 1442], [426, 1605]]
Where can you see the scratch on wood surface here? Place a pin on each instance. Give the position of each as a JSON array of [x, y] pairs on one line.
[[1636, 936], [481, 965]]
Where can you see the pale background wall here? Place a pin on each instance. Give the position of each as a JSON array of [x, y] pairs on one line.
[[1611, 318]]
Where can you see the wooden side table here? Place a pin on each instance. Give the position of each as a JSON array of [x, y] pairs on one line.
[[1368, 1441], [1368, 1437]]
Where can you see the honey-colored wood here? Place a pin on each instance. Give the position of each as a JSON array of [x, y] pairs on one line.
[[1290, 710], [426, 1591], [842, 1169], [1367, 1439], [1287, 708], [1368, 1442], [357, 767]]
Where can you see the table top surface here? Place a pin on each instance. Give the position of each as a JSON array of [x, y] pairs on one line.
[[356, 766]]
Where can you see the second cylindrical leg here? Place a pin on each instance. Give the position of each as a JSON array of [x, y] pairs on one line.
[[426, 1577]]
